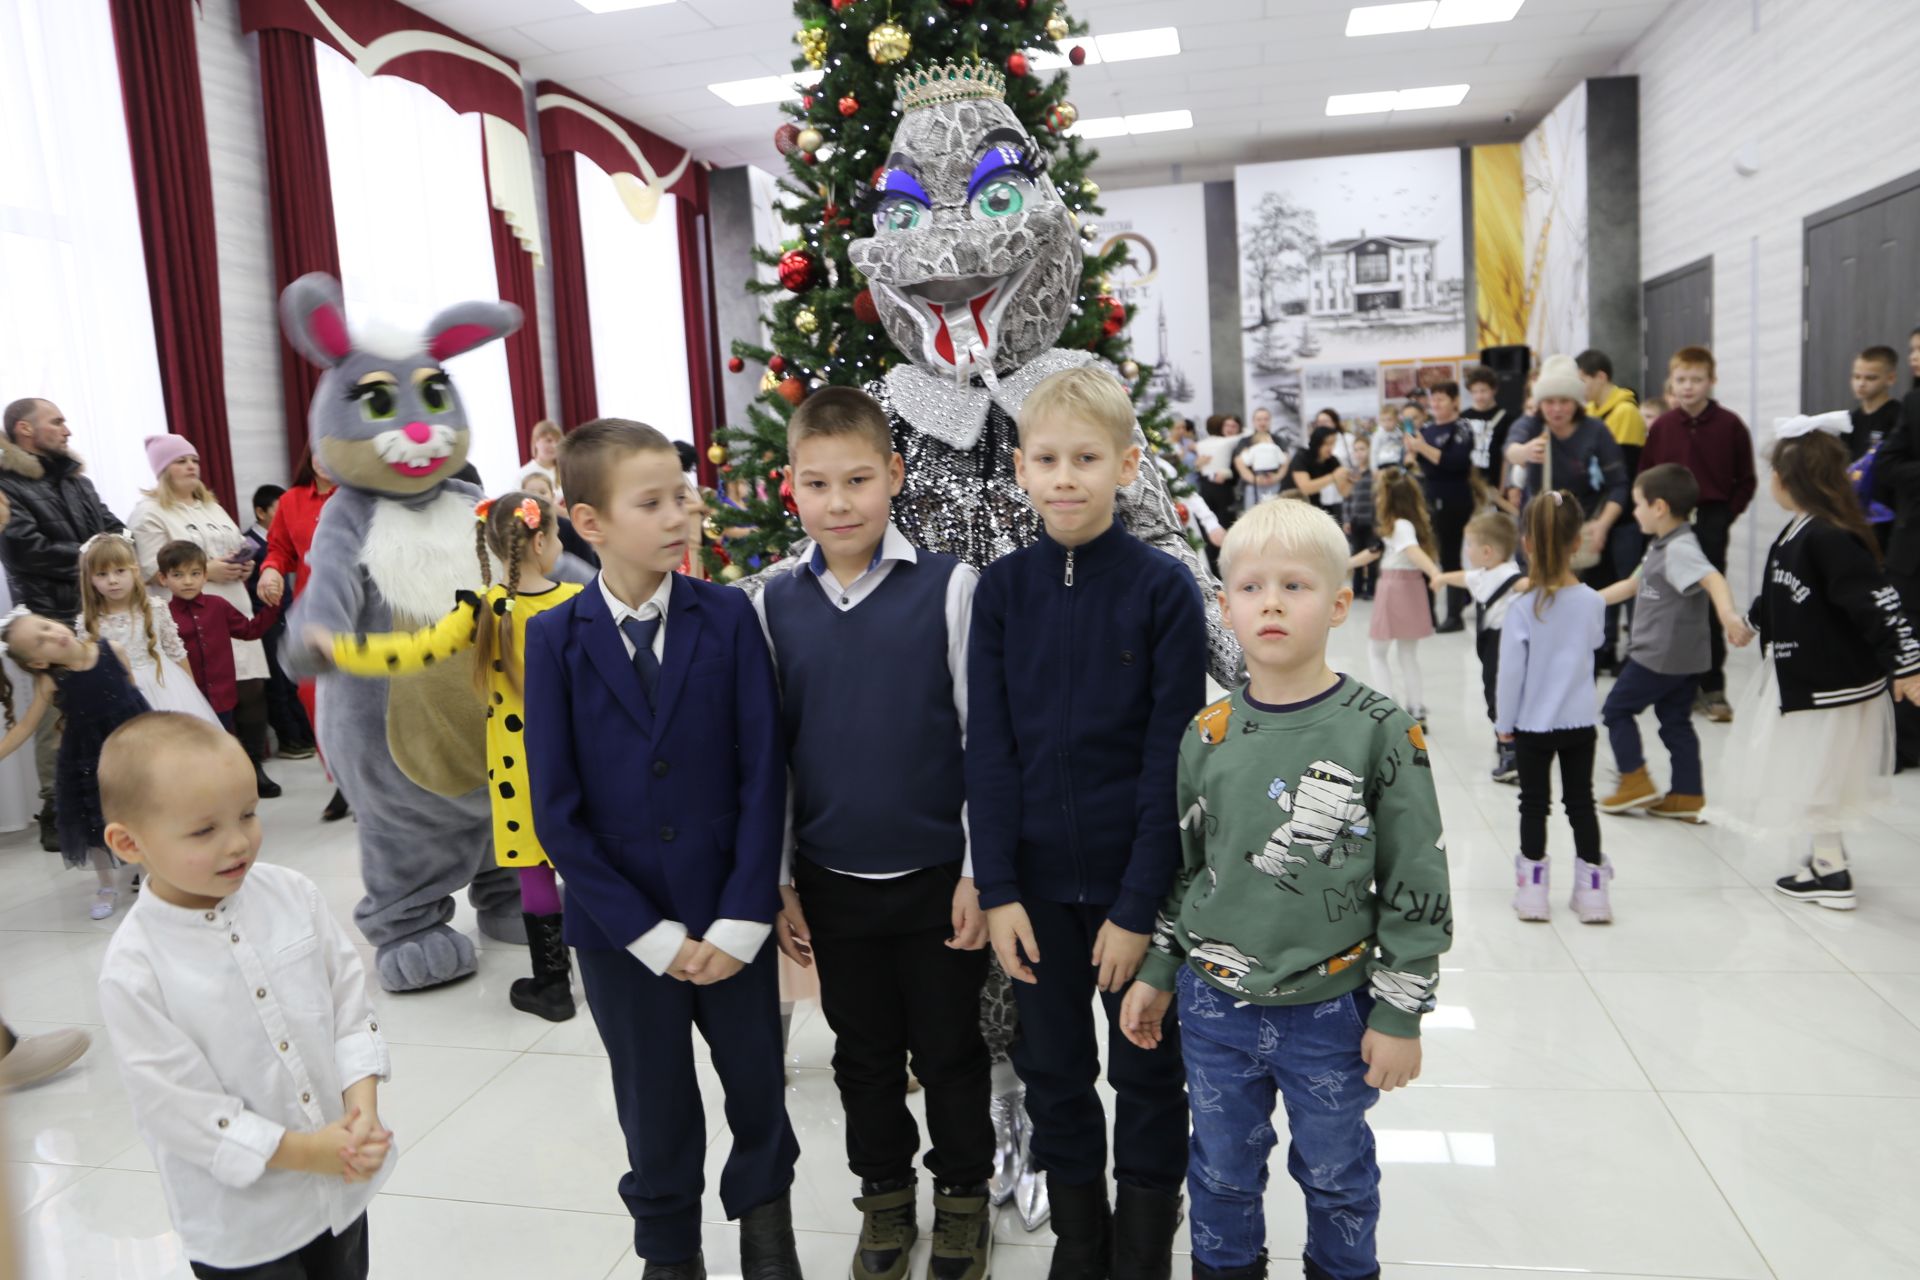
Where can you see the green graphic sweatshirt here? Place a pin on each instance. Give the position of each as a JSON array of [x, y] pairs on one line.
[[1313, 858]]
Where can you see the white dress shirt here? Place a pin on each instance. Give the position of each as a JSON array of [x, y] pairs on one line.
[[894, 549], [234, 1025], [658, 946]]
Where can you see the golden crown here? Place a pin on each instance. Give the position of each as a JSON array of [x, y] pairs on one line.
[[950, 82]]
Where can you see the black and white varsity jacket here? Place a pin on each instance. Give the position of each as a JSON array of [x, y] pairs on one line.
[[1835, 626]]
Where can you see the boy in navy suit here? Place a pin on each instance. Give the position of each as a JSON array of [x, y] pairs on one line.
[[659, 791], [1088, 658]]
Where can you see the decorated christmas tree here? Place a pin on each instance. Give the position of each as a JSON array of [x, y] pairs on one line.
[[826, 328]]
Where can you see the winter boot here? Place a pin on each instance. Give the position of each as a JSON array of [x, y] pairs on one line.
[[1636, 791], [549, 992], [1531, 888], [267, 787], [888, 1228], [1680, 808], [767, 1249], [49, 828], [337, 809], [1255, 1270], [1082, 1229], [1003, 1108], [962, 1233], [1590, 902], [1144, 1223], [694, 1268]]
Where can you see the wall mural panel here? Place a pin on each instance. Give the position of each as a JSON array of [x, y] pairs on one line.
[[1164, 229]]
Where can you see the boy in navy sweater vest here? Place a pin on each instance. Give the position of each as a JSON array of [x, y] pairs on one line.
[[869, 638], [1087, 660], [659, 787]]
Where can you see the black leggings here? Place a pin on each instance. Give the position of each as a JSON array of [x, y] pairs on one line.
[[1450, 517], [1534, 754]]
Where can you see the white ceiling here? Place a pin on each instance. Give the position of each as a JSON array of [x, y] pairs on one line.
[[1255, 73]]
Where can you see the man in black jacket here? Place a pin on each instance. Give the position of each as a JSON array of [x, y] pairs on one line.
[[55, 509], [1896, 485]]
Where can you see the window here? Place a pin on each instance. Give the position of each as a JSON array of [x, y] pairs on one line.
[[77, 328], [410, 207], [1370, 268]]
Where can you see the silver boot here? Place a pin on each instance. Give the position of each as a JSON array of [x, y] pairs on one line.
[[1030, 1188], [1007, 1112]]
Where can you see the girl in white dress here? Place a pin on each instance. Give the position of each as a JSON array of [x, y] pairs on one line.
[[115, 607]]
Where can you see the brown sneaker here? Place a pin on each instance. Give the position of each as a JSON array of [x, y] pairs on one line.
[[1683, 808], [1636, 791], [1719, 710]]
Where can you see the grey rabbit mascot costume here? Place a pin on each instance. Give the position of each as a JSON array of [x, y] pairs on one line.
[[392, 548], [974, 265]]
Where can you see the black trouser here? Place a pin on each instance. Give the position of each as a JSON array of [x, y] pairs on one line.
[[1222, 498], [1367, 575], [1534, 754], [1906, 716], [1059, 1061], [1712, 523], [890, 986], [1486, 643], [250, 717], [647, 1022], [1450, 516], [328, 1257], [284, 712]]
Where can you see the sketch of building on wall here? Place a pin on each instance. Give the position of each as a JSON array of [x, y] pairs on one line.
[[1373, 274], [1167, 379]]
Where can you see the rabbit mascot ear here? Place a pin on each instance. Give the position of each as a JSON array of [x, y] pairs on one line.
[[315, 319], [466, 325]]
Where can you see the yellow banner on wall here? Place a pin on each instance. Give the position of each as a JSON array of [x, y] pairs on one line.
[[1499, 245]]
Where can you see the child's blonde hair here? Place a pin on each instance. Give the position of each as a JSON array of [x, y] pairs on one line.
[[504, 528], [106, 551], [1495, 529], [1086, 394], [1397, 496], [1302, 529]]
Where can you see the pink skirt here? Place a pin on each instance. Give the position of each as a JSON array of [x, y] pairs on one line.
[[1402, 606]]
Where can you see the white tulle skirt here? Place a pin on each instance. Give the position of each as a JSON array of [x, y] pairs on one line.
[[177, 692], [1803, 772]]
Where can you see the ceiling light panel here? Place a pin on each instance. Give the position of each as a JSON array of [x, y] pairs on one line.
[[763, 89], [617, 6], [1100, 127], [1360, 104], [1472, 13], [1423, 99], [1126, 46], [1160, 121], [1385, 19]]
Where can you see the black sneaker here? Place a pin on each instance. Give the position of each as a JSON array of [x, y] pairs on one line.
[[1450, 625], [1506, 765], [1833, 891], [336, 808]]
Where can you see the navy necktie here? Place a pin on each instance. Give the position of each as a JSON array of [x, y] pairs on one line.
[[641, 632]]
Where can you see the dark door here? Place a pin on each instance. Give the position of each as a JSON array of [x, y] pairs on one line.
[[1679, 313], [1861, 288]]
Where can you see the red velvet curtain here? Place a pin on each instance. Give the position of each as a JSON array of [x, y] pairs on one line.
[[300, 192], [513, 269], [572, 328], [703, 371], [173, 183]]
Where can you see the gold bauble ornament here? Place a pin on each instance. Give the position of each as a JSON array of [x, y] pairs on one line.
[[813, 46], [1130, 370], [810, 139], [805, 321], [730, 573], [1089, 188], [1057, 29], [717, 454], [888, 43], [768, 381]]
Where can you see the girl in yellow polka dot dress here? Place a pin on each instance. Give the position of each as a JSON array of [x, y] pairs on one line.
[[523, 534]]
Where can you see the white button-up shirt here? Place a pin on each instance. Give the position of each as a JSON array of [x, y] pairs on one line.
[[234, 1025]]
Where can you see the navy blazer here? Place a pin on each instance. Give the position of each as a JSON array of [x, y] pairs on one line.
[[674, 813]]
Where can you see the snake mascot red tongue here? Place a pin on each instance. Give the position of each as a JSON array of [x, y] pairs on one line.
[[975, 264]]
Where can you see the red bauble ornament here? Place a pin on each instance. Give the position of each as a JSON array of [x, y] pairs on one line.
[[798, 267], [1180, 509], [784, 138], [865, 309], [778, 364], [849, 105], [828, 214], [1077, 55], [806, 102], [786, 484], [807, 157], [838, 5], [793, 391], [736, 364], [1017, 65], [1113, 316], [961, 4]]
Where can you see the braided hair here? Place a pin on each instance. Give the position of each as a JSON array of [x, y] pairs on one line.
[[503, 536]]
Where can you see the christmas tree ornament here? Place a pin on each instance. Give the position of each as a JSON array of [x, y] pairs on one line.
[[1057, 29], [849, 105], [810, 139], [769, 380], [786, 486], [888, 43], [813, 43], [806, 102], [1180, 509], [798, 269], [865, 309], [786, 138], [1077, 55], [729, 574], [805, 321], [840, 6], [736, 364], [1017, 65], [809, 158], [1090, 189], [828, 214], [1089, 230], [961, 4], [792, 390], [1061, 116], [717, 453], [1130, 370], [777, 363]]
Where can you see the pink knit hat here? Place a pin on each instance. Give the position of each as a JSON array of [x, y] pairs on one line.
[[164, 451]]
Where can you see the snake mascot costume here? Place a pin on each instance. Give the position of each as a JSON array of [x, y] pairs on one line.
[[974, 265], [392, 548]]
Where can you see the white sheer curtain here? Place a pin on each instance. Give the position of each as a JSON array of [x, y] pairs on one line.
[[76, 327], [410, 208], [633, 302]]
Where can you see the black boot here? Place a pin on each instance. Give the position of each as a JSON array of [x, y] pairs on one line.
[[962, 1233], [694, 1268], [766, 1242], [1082, 1229], [1308, 1268], [549, 992], [49, 827], [268, 788], [1256, 1270], [888, 1228], [1144, 1223], [336, 808]]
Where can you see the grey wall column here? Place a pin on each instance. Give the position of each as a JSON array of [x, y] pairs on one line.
[[1223, 298], [737, 312], [1613, 219]]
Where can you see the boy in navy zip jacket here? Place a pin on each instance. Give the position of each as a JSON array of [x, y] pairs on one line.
[[1087, 659]]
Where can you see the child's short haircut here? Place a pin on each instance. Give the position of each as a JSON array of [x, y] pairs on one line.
[[1088, 394], [1672, 484], [146, 749], [1592, 361], [1480, 376], [840, 411], [1495, 529], [1446, 387], [589, 455], [1302, 529], [544, 428], [181, 555], [1694, 356], [1881, 356], [266, 495]]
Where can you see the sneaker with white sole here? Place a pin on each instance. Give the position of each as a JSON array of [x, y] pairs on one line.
[[1834, 890], [104, 901], [1506, 763], [1590, 901], [1530, 895]]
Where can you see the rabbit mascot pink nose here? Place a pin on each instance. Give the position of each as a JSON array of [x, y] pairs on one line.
[[392, 548]]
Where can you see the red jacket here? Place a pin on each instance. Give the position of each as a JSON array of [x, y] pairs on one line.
[[208, 627], [292, 531], [1714, 446]]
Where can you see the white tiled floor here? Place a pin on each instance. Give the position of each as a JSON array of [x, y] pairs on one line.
[[1721, 1084]]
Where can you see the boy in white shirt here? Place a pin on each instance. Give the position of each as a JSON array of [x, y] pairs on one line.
[[240, 1013], [1491, 578]]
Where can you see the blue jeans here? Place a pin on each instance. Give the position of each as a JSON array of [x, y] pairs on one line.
[[1237, 1056], [1671, 698]]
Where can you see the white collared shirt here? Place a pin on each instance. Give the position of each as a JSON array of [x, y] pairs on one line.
[[894, 549], [658, 946], [234, 1025]]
